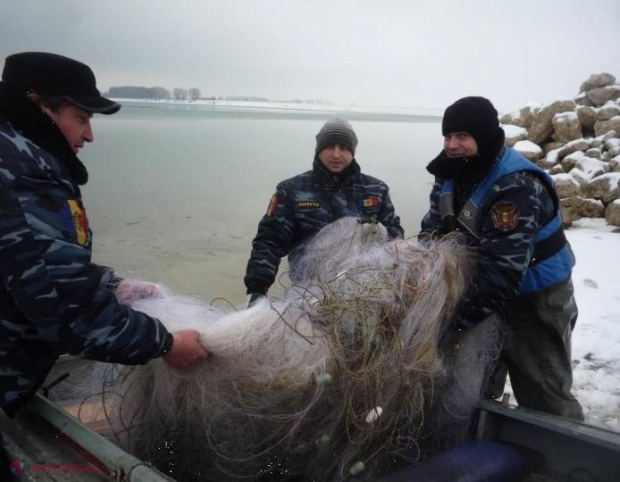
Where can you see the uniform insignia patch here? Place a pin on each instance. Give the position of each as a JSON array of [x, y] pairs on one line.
[[272, 206], [76, 221], [505, 216], [371, 202], [308, 204]]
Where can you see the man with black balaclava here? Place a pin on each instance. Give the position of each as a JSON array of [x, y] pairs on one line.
[[302, 205], [507, 207]]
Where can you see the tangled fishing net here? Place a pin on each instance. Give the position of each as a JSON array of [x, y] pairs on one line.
[[345, 377]]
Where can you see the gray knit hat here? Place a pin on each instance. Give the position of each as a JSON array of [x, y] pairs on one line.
[[336, 131]]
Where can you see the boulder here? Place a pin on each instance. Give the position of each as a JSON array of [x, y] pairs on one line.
[[600, 140], [594, 152], [577, 207], [514, 134], [557, 169], [550, 160], [602, 127], [579, 176], [597, 80], [566, 127], [582, 99], [600, 95], [573, 146], [570, 161], [614, 164], [521, 118], [550, 146], [591, 208], [591, 167], [611, 144], [612, 213], [529, 150], [507, 118], [541, 127], [604, 187], [609, 110], [566, 186], [611, 153], [587, 117]]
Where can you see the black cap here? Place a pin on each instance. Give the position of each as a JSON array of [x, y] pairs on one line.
[[52, 74], [474, 115]]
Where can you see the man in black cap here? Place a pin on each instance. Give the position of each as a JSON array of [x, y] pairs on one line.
[[508, 208], [302, 205], [53, 299]]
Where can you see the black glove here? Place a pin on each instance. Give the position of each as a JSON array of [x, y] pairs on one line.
[[254, 297]]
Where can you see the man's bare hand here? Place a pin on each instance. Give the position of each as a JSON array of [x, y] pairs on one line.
[[186, 350]]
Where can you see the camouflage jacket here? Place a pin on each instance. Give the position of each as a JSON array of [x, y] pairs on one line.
[[303, 205], [513, 219], [53, 299]]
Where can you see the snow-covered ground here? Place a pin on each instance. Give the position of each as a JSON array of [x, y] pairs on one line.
[[596, 339]]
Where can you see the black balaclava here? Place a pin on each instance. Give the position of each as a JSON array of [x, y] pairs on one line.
[[477, 117]]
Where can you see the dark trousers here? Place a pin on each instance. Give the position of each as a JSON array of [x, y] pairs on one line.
[[537, 351]]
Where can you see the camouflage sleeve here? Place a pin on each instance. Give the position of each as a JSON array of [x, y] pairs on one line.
[[65, 297], [507, 242], [388, 218], [431, 223], [274, 239], [108, 273]]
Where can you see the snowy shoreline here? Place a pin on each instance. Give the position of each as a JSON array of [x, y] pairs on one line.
[[293, 107]]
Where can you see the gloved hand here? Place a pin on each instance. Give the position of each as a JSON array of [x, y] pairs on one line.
[[186, 350], [128, 291], [254, 297]]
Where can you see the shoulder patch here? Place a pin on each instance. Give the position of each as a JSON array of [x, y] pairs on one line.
[[272, 206], [308, 205], [371, 202], [505, 216], [76, 221]]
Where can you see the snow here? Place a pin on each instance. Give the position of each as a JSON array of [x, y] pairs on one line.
[[552, 156], [527, 147], [596, 337], [591, 167], [565, 117], [514, 131]]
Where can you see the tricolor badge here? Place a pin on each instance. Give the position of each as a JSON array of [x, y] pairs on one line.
[[371, 202], [273, 203], [505, 216], [76, 221]]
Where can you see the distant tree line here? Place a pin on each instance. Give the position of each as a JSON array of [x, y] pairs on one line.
[[158, 93], [161, 93]]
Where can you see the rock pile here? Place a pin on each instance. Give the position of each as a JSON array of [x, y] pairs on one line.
[[578, 142]]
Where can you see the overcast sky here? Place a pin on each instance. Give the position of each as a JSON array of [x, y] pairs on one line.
[[397, 53]]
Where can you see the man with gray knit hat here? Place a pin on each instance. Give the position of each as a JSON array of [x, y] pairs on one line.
[[507, 207], [302, 205]]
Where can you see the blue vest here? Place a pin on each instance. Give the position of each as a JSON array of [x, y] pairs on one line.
[[541, 273]]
